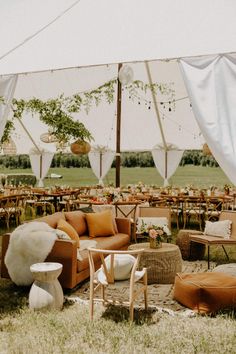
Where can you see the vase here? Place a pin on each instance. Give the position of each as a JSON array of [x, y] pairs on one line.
[[154, 243]]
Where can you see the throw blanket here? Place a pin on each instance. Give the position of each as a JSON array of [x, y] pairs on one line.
[[85, 244], [29, 243]]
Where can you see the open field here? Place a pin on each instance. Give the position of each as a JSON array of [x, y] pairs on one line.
[[198, 176]]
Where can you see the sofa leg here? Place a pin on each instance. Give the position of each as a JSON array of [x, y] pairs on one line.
[[208, 257]]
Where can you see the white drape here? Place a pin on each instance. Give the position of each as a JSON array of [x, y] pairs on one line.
[[7, 89], [101, 161], [166, 162], [211, 85], [40, 163]]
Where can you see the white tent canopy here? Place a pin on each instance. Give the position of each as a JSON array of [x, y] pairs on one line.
[[76, 36], [139, 126], [58, 34]]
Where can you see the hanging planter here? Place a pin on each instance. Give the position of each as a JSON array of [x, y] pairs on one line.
[[206, 150], [80, 147], [9, 147], [48, 138]]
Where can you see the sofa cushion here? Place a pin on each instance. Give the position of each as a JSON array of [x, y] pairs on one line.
[[63, 225], [77, 220], [116, 242], [53, 219], [205, 292], [100, 224]]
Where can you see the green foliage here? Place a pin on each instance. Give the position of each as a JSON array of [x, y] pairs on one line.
[[21, 179], [9, 127], [57, 112], [128, 159], [196, 158]]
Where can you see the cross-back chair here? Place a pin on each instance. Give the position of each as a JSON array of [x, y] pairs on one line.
[[105, 276]]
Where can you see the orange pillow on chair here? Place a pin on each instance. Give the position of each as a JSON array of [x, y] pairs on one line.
[[100, 224], [63, 225]]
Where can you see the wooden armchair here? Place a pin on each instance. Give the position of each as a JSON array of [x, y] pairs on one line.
[[214, 240], [101, 278]]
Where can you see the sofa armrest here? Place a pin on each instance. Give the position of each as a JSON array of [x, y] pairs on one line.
[[123, 225], [65, 252]]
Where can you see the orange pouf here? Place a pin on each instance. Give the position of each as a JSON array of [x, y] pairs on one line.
[[205, 292]]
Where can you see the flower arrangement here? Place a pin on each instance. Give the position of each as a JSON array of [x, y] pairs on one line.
[[157, 232]]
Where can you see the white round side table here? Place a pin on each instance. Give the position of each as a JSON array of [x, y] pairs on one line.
[[46, 291]]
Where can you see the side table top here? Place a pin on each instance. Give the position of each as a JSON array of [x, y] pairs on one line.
[[166, 247], [45, 267]]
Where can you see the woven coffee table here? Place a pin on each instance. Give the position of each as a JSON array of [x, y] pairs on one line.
[[162, 263]]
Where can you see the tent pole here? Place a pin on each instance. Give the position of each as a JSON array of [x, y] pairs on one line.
[[156, 106], [166, 161], [118, 128], [100, 164], [40, 166], [158, 117]]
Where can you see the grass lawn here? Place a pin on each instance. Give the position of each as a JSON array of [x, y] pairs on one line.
[[198, 176], [70, 331]]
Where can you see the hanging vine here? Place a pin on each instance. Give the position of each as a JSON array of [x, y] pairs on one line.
[[57, 113]]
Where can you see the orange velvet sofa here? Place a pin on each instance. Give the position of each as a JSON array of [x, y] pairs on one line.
[[65, 251]]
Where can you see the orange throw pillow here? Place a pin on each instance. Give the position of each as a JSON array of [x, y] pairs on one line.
[[100, 224], [63, 225]]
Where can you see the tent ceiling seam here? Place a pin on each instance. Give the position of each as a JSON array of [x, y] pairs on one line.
[[40, 30]]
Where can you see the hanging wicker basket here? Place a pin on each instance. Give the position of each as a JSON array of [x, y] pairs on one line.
[[48, 138], [9, 147], [80, 147], [206, 150]]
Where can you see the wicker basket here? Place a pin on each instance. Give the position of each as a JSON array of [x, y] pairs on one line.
[[162, 264], [197, 249]]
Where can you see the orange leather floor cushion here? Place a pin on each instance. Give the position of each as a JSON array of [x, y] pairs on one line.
[[205, 292]]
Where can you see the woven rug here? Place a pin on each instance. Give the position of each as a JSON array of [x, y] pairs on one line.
[[160, 296]]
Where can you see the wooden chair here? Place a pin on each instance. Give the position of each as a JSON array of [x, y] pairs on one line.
[[214, 206], [12, 208], [214, 240], [97, 283], [156, 212], [193, 208]]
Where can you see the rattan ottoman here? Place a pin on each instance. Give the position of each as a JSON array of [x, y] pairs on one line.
[[162, 263], [197, 249]]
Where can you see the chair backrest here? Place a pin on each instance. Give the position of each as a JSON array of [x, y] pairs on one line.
[[156, 212], [109, 273], [229, 215]]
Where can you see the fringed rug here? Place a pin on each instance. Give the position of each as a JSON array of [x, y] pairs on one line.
[[160, 296]]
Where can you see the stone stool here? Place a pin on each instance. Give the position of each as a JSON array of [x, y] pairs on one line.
[[197, 249], [46, 291]]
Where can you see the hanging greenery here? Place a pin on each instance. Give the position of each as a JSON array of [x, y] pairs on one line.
[[9, 127], [164, 89], [57, 113]]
